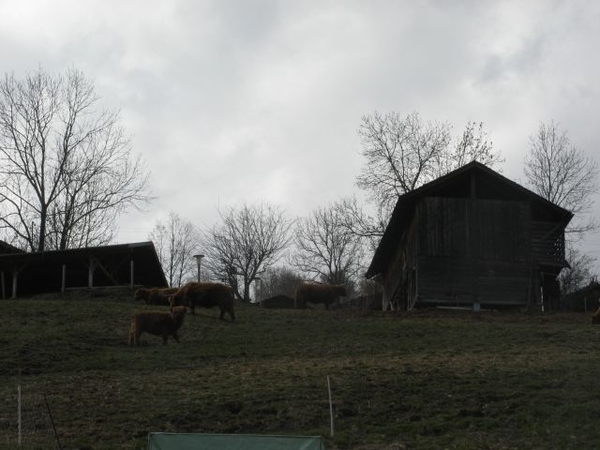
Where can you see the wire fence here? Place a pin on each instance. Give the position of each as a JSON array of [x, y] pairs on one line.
[[26, 423]]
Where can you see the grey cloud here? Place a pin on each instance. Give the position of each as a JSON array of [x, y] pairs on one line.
[[232, 101]]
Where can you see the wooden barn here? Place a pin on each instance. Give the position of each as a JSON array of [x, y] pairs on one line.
[[25, 274], [471, 238]]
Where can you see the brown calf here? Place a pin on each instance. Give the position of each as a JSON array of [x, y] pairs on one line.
[[158, 323]]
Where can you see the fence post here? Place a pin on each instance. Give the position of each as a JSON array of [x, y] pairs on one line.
[[330, 405], [19, 414]]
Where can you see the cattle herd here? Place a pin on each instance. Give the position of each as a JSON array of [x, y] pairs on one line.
[[207, 295], [190, 295]]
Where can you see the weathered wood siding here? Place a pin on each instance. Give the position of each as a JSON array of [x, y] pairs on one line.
[[473, 251], [398, 280], [501, 231], [443, 227]]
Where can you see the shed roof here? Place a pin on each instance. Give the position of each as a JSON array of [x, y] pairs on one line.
[[42, 271], [5, 247], [490, 185]]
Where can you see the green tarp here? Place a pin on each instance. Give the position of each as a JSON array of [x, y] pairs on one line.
[[196, 441]]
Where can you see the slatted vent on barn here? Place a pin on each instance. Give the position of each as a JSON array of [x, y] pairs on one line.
[[471, 237]]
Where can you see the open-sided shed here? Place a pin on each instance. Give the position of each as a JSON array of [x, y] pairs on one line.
[[471, 237], [23, 273]]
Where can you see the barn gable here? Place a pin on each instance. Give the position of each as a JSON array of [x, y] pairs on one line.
[[471, 237], [131, 264]]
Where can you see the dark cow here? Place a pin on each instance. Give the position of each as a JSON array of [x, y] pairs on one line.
[[158, 323], [206, 295], [318, 293], [154, 296]]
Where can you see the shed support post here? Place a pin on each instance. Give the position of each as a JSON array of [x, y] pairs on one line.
[[3, 287], [131, 272], [91, 268], [14, 292], [64, 279]]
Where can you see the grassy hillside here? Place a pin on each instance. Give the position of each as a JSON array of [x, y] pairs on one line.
[[433, 379]]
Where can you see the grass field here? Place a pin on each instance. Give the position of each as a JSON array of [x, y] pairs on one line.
[[419, 380]]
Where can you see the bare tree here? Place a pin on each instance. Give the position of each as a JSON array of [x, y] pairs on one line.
[[66, 169], [564, 175], [403, 153], [176, 241], [473, 144], [279, 281], [353, 217], [249, 240], [580, 272], [326, 249]]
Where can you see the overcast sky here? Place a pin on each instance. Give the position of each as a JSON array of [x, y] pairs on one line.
[[247, 101]]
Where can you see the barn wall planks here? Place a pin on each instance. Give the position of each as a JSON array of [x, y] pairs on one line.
[[499, 229], [398, 278], [473, 251], [456, 281]]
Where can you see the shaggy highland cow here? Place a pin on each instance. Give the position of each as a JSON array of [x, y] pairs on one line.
[[159, 323], [318, 293], [154, 296], [206, 295]]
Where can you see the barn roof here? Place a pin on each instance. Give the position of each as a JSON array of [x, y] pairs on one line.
[[42, 271], [490, 185]]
